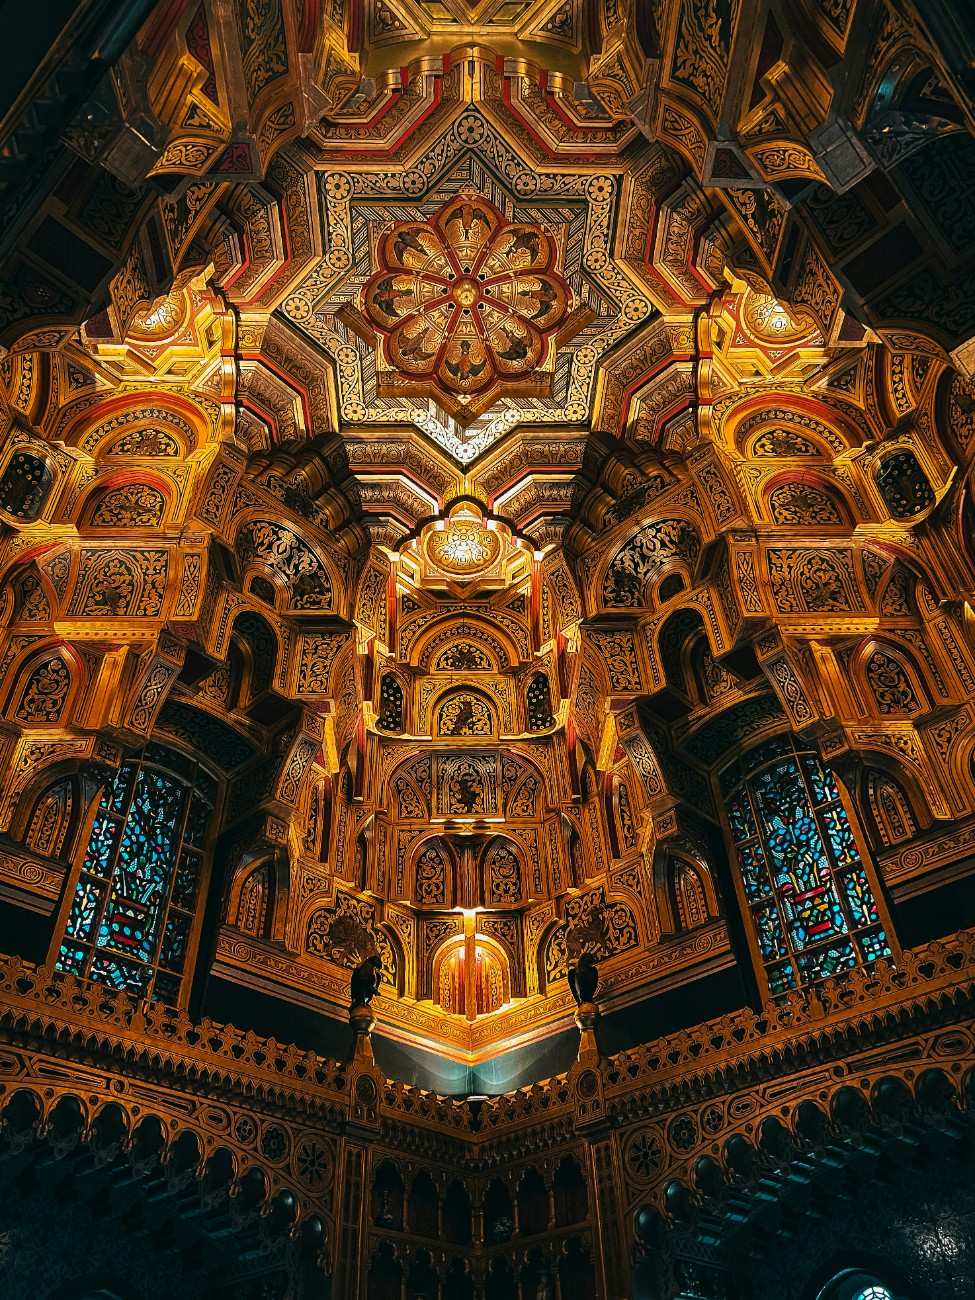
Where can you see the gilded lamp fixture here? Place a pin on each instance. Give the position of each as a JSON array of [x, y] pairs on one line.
[[467, 306]]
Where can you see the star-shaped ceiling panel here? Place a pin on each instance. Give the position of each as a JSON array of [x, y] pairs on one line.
[[467, 305], [553, 300]]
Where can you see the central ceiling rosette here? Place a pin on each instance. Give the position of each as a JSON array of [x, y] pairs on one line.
[[468, 305]]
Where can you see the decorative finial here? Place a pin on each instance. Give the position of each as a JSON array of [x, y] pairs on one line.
[[363, 987]]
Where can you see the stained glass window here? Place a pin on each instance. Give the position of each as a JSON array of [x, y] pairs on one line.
[[132, 912], [812, 907]]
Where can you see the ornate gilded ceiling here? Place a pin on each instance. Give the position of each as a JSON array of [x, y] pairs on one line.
[[517, 208]]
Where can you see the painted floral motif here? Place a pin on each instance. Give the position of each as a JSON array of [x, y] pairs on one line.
[[467, 302]]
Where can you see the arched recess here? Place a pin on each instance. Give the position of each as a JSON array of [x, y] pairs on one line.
[[538, 703], [503, 646], [533, 1203], [903, 483], [523, 785], [423, 1206], [360, 871], [804, 500], [892, 684], [391, 714], [46, 685], [468, 653], [684, 888], [257, 643], [571, 1194], [279, 553], [53, 817], [252, 898], [463, 711], [891, 803], [28, 595], [26, 480], [388, 1196], [42, 812], [896, 596], [499, 1217], [783, 426], [620, 814], [626, 581], [676, 641], [126, 501], [457, 1214], [385, 1277], [459, 992], [410, 783], [223, 684], [432, 873], [503, 874], [318, 818], [169, 428]]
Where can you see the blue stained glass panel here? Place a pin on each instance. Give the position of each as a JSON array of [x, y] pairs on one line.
[[771, 940], [797, 855], [863, 908], [821, 781], [141, 844], [813, 916], [874, 945], [84, 909], [781, 978], [840, 837], [101, 845], [754, 871], [173, 952], [799, 862], [742, 822], [126, 976], [118, 792], [128, 926], [71, 958], [821, 963]]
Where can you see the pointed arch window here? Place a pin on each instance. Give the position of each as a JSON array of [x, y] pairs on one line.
[[24, 486], [904, 485], [539, 700], [390, 704], [131, 914], [808, 894]]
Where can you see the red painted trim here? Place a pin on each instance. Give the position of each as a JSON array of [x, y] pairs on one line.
[[275, 369], [632, 389], [162, 23]]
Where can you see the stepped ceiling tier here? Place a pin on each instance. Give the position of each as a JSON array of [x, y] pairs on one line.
[[474, 449]]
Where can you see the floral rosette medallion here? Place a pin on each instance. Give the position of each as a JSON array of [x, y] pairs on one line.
[[467, 304]]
